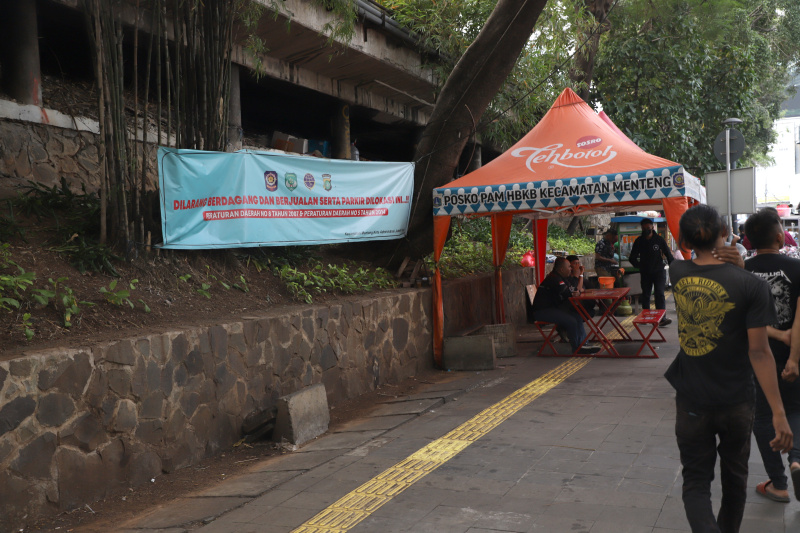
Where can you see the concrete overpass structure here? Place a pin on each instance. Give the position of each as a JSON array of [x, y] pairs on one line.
[[378, 80]]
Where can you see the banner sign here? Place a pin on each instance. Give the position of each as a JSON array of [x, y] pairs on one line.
[[249, 198], [592, 190]]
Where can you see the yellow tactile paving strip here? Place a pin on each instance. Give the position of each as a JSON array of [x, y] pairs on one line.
[[359, 504]]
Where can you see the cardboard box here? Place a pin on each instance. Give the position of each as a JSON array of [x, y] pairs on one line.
[[289, 143]]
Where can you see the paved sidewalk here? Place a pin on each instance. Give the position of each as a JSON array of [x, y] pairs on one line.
[[594, 453]]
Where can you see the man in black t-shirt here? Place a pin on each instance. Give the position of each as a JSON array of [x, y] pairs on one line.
[[723, 315], [551, 304], [783, 275], [648, 254]]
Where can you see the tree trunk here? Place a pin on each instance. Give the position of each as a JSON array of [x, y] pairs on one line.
[[465, 96], [583, 70]]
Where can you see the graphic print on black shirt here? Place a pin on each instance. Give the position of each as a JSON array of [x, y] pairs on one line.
[[781, 288], [702, 304]]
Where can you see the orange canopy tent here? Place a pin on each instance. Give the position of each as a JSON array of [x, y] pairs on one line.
[[573, 161]]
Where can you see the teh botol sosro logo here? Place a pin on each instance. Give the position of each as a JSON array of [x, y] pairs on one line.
[[586, 153], [271, 180]]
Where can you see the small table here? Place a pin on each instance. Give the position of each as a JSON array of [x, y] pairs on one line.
[[596, 324]]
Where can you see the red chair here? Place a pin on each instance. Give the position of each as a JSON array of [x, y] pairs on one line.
[[548, 330], [651, 317]]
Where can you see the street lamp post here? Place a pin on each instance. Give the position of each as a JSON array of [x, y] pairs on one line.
[[728, 122]]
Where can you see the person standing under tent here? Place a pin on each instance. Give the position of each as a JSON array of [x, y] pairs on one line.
[[723, 314], [604, 262], [648, 254]]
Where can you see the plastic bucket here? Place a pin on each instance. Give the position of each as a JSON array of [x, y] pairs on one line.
[[784, 210], [606, 282]]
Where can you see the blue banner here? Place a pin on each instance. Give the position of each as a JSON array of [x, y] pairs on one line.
[[248, 198]]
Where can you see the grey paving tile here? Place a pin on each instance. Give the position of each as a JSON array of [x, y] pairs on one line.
[[382, 524], [342, 441], [187, 510], [446, 519], [299, 460], [561, 524], [428, 394], [615, 527], [494, 520], [646, 486], [625, 515], [531, 506], [291, 517], [552, 479], [312, 500], [250, 485], [409, 407], [575, 510], [595, 481], [374, 423], [466, 484], [611, 497], [655, 474], [534, 490], [225, 526], [258, 506]]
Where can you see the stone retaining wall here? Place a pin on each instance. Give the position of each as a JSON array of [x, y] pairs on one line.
[[44, 154], [76, 424], [79, 424]]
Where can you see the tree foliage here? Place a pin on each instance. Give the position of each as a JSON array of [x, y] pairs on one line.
[[669, 76], [541, 71]]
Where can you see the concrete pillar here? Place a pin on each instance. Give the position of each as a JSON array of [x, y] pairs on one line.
[[235, 132], [340, 148], [19, 52]]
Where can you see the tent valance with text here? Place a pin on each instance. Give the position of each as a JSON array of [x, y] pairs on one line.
[[636, 186]]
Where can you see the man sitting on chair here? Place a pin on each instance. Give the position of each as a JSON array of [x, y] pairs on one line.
[[551, 304]]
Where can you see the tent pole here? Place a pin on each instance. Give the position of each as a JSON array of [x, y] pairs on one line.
[[536, 279]]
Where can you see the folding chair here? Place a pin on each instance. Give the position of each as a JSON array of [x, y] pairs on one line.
[[653, 318], [548, 330]]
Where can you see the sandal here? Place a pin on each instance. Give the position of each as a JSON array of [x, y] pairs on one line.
[[795, 469], [761, 488]]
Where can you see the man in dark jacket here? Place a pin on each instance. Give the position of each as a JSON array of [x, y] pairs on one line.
[[648, 254], [551, 304]]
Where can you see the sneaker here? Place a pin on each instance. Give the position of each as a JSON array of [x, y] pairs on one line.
[[586, 349], [665, 322]]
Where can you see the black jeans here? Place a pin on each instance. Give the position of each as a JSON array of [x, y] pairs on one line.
[[653, 280], [765, 432], [697, 431]]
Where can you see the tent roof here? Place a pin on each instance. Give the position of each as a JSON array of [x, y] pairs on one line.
[[573, 159]]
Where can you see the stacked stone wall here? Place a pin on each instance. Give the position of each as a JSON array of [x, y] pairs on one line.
[[78, 424], [44, 154]]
